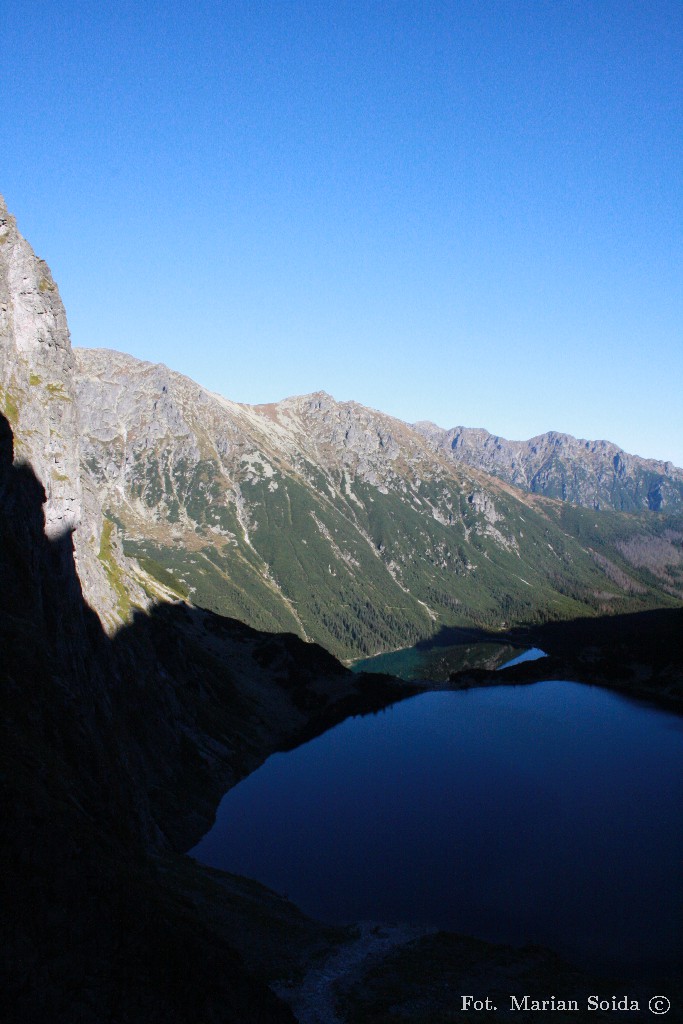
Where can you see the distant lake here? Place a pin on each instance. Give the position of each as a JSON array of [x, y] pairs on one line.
[[550, 813], [437, 659]]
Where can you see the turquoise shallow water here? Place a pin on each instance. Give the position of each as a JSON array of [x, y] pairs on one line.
[[437, 661], [550, 813]]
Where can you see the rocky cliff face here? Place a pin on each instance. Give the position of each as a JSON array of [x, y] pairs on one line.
[[38, 397], [595, 474], [37, 376]]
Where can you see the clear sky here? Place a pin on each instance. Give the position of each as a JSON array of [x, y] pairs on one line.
[[469, 212]]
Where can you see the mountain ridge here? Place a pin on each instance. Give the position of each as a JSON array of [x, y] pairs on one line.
[[596, 474], [333, 520], [522, 463], [562, 435]]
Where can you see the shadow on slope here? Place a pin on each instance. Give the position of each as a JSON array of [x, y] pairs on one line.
[[639, 653], [115, 752]]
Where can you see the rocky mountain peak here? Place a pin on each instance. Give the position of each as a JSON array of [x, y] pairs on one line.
[[36, 387], [596, 474], [37, 395]]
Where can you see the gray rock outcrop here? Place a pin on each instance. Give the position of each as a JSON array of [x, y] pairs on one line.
[[595, 474], [37, 395]]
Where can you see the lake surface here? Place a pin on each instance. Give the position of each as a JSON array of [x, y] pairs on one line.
[[436, 659], [549, 813]]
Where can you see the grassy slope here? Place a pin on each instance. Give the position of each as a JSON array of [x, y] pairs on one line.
[[373, 571]]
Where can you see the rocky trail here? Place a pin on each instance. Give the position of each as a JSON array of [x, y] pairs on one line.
[[313, 1001]]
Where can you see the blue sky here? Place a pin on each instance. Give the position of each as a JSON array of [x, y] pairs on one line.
[[469, 212]]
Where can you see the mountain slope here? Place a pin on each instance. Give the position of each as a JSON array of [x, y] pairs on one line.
[[117, 746], [596, 474], [333, 520]]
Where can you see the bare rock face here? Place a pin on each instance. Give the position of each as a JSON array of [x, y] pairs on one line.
[[595, 474], [37, 396], [36, 375]]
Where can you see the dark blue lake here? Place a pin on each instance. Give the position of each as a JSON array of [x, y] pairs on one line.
[[550, 813]]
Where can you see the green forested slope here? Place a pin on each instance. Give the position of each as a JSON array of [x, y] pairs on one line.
[[341, 524]]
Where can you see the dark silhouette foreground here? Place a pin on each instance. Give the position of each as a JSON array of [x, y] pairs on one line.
[[115, 752]]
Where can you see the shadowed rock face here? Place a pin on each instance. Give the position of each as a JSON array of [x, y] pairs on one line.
[[79, 821], [115, 752]]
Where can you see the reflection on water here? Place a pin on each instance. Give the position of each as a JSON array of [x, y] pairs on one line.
[[533, 654]]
